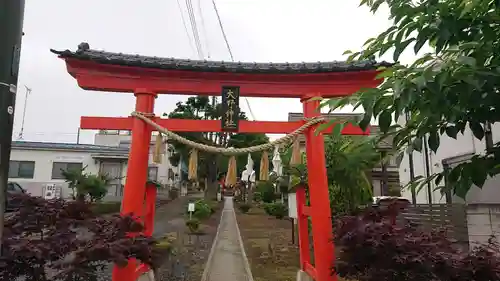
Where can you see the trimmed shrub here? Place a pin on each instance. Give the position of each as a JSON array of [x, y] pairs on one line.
[[244, 207], [202, 210], [193, 225], [266, 190], [277, 210], [257, 196]]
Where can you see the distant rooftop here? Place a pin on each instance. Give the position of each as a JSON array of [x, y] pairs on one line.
[[340, 117], [31, 145]]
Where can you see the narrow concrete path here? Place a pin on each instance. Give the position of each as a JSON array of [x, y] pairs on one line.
[[227, 260]]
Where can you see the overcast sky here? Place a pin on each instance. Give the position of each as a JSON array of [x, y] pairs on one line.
[[257, 30]]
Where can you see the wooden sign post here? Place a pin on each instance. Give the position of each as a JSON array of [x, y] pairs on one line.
[[230, 108]]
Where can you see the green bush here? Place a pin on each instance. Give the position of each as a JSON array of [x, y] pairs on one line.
[[202, 209], [102, 208], [266, 190], [244, 207], [277, 210], [214, 206], [257, 196], [193, 225]]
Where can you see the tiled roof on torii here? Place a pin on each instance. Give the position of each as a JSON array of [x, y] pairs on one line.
[[84, 52]]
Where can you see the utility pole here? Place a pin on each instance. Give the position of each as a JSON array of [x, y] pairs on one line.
[[78, 136], [11, 32]]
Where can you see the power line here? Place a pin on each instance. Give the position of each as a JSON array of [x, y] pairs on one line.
[[204, 29], [221, 26], [194, 28], [222, 29], [185, 27]]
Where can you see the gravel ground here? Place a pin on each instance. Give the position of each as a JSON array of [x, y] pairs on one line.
[[190, 251], [168, 218]]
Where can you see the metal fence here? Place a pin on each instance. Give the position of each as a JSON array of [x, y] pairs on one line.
[[452, 217]]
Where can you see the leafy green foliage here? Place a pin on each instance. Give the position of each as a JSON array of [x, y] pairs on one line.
[[193, 225], [202, 209], [348, 159], [244, 207], [278, 210], [266, 191], [444, 92], [257, 196], [86, 185]]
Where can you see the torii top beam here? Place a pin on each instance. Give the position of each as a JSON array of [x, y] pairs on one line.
[[116, 72]]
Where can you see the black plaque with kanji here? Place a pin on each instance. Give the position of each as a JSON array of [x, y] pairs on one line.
[[230, 108]]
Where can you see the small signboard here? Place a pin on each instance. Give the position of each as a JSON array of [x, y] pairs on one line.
[[230, 108], [190, 210], [51, 191]]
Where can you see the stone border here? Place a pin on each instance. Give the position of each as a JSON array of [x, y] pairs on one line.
[[208, 264], [242, 247]]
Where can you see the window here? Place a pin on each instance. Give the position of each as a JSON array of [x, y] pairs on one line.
[[58, 167], [153, 173], [22, 169]]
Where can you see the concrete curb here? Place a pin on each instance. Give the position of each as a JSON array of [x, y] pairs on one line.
[[206, 271], [242, 247]]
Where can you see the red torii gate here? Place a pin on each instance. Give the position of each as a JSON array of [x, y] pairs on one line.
[[146, 77]]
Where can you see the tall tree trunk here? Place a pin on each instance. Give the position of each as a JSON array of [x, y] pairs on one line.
[[211, 186]]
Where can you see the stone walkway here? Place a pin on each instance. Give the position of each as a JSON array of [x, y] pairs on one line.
[[227, 260]]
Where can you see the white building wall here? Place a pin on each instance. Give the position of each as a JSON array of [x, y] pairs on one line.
[[43, 168], [465, 144]]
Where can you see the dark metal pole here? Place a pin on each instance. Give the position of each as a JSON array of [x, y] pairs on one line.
[[78, 136], [412, 168], [427, 170], [11, 32]]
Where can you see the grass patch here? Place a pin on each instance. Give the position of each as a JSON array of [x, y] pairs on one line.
[[103, 208]]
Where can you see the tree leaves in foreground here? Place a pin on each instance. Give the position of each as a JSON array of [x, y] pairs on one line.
[[59, 240], [444, 92], [374, 249]]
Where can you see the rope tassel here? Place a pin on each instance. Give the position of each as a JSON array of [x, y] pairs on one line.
[[264, 166], [193, 165], [296, 158], [231, 172], [158, 148]]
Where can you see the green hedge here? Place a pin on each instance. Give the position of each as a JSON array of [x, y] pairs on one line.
[[102, 208]]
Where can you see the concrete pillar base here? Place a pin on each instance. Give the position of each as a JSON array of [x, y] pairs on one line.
[[303, 276], [148, 276]]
